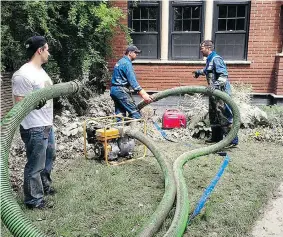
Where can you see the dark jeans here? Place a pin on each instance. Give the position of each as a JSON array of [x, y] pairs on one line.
[[124, 102], [40, 150]]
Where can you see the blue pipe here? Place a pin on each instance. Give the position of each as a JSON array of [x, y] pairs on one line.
[[162, 132], [210, 188]]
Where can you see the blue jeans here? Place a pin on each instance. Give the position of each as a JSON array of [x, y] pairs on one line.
[[124, 102], [40, 150]]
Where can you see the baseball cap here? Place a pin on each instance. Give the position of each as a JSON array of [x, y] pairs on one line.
[[33, 43], [133, 48]]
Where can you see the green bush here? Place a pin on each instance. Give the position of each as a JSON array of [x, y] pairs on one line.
[[78, 34]]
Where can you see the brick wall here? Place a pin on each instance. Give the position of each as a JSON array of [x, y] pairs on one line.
[[265, 41], [119, 41], [6, 94]]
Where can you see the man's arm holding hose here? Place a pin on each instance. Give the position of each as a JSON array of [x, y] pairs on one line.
[[135, 85], [146, 97], [21, 87]]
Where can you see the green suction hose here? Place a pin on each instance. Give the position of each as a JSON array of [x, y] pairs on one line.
[[11, 214], [180, 219], [165, 205]]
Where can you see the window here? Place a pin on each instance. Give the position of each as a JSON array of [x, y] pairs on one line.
[[144, 21], [185, 30], [231, 29]]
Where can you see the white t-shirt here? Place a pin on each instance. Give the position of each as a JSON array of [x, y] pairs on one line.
[[27, 79]]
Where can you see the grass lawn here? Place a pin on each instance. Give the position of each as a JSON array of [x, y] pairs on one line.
[[96, 200]]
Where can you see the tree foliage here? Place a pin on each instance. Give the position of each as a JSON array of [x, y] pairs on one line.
[[78, 34]]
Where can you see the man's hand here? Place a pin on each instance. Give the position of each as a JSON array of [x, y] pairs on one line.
[[196, 73], [210, 89], [146, 97], [41, 103]]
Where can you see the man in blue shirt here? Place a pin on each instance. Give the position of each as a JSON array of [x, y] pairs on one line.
[[220, 114], [123, 78]]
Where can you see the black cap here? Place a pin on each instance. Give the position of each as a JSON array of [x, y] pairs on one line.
[[132, 48], [33, 43]]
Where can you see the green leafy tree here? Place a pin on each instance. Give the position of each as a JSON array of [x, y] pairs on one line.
[[78, 33]]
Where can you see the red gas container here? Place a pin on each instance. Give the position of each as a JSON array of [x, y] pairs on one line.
[[173, 118]]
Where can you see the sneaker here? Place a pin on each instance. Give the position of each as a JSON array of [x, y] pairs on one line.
[[50, 191], [39, 205]]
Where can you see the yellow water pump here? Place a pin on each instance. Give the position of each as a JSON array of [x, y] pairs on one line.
[[108, 141]]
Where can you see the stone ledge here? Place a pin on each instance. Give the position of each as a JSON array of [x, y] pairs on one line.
[[178, 62]]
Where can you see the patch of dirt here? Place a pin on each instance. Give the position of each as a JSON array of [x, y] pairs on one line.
[[271, 223]]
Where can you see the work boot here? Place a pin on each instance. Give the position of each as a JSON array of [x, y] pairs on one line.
[[39, 205], [50, 191], [210, 140], [216, 135]]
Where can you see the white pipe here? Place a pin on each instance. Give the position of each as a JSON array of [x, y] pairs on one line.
[[164, 29], [208, 19]]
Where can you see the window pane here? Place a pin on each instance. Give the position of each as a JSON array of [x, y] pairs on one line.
[[186, 25], [152, 25], [177, 13], [144, 20], [136, 13], [240, 24], [241, 11], [231, 24], [196, 12], [186, 36], [187, 13], [136, 26], [144, 13], [178, 25], [195, 25], [222, 25], [222, 11], [185, 46], [231, 11], [144, 26], [229, 43], [148, 44], [152, 13], [230, 46]]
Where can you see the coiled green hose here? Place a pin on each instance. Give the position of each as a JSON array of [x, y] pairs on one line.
[[181, 216], [11, 214], [13, 217], [157, 218]]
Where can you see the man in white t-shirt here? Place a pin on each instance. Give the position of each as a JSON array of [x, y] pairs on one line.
[[37, 127]]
